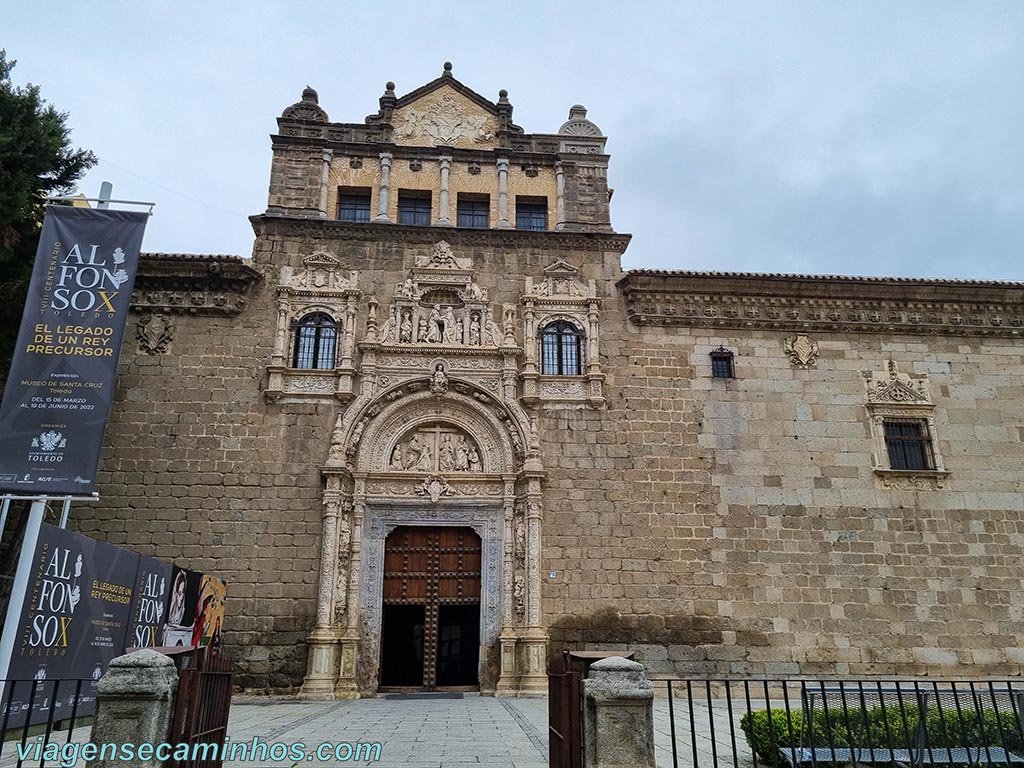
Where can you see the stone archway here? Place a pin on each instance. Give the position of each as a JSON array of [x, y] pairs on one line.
[[375, 482]]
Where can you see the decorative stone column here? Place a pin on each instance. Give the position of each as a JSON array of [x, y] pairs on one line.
[[134, 705], [507, 683], [385, 187], [325, 176], [559, 196], [503, 222], [535, 679], [443, 206], [618, 715], [281, 339], [323, 647], [347, 685]]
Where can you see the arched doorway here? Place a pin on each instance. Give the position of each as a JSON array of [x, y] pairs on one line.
[[430, 628]]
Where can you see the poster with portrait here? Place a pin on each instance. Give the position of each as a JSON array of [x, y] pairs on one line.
[[181, 607], [209, 622]]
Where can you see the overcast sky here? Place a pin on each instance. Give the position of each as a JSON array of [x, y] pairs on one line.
[[823, 137]]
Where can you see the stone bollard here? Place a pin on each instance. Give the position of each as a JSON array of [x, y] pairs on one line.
[[134, 705], [618, 715]]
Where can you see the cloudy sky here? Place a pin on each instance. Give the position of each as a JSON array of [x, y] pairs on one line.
[[824, 137]]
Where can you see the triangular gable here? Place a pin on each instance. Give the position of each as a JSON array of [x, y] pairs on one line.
[[444, 116], [447, 81]]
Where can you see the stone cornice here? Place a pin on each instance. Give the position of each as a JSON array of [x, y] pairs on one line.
[[804, 302], [199, 284], [272, 224]]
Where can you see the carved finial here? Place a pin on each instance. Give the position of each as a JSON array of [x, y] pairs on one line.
[[447, 69], [308, 94], [503, 95], [893, 370], [371, 320], [577, 111], [389, 88]]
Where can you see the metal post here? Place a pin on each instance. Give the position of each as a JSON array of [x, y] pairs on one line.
[[5, 507], [64, 512], [106, 190], [36, 513]]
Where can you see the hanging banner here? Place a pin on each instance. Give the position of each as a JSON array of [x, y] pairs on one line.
[[60, 386], [149, 604]]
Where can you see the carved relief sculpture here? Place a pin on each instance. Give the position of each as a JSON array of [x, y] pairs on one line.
[[802, 350]]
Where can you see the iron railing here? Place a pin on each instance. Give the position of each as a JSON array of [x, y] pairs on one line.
[[36, 713], [801, 723]]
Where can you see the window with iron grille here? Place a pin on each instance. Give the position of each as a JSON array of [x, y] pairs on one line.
[[474, 211], [532, 213], [721, 364], [354, 204], [414, 207], [909, 444], [316, 337], [561, 350]]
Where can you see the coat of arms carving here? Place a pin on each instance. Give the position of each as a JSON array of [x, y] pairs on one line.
[[802, 350]]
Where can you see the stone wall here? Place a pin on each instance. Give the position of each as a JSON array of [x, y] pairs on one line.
[[715, 526]]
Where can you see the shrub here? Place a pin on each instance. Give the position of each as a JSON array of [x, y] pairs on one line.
[[879, 727]]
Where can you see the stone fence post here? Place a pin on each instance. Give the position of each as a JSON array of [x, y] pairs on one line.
[[134, 705], [618, 715]]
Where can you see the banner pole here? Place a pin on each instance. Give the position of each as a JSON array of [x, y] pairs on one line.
[[5, 507], [36, 513], [64, 512]]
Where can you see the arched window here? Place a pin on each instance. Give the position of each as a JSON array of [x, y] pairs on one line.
[[561, 350], [316, 336]]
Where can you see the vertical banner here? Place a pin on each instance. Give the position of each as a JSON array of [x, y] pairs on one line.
[[73, 622], [60, 386], [149, 604]]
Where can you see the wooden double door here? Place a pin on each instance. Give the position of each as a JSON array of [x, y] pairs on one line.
[[430, 633]]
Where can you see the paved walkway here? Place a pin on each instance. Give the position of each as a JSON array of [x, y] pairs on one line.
[[436, 732]]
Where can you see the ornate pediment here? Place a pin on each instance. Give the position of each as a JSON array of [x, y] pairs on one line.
[[893, 387], [445, 118], [442, 257], [561, 279], [320, 271]]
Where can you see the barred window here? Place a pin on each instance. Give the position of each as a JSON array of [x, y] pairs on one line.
[[721, 364], [414, 207], [909, 444], [354, 204], [316, 336], [474, 211], [532, 213], [561, 349]]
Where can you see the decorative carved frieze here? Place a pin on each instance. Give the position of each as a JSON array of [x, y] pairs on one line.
[[174, 284], [816, 304]]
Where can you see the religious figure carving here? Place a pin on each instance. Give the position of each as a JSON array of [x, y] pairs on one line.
[[449, 326], [407, 289], [397, 460], [474, 332], [439, 380], [474, 460], [405, 334], [421, 332], [461, 455], [492, 337], [388, 333], [434, 332], [446, 457]]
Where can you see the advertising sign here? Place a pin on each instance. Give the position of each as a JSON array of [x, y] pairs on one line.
[[149, 604], [60, 386], [73, 622]]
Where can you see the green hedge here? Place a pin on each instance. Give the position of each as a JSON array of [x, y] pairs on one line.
[[882, 729]]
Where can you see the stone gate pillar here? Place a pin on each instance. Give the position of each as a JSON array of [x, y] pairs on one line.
[[535, 642], [323, 646]]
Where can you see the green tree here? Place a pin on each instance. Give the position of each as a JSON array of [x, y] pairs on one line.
[[36, 160]]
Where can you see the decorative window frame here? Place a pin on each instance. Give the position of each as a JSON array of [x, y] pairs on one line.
[[895, 395], [319, 285], [561, 295]]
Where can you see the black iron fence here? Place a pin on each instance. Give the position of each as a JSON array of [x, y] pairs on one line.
[[795, 724], [38, 717]]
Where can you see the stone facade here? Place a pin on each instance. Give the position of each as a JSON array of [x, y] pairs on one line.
[[745, 525]]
